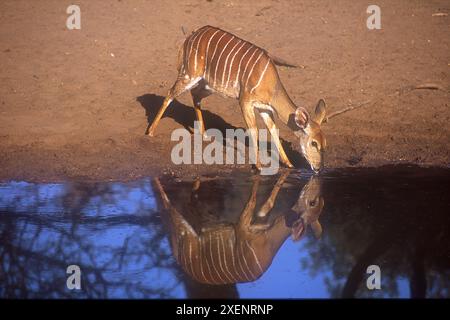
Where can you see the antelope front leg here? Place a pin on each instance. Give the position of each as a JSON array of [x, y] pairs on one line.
[[246, 216], [198, 93], [250, 119], [270, 124]]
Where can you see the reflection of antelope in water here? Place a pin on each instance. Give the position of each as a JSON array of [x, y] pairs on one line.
[[224, 254]]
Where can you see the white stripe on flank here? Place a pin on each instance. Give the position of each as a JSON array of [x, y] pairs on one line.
[[261, 76], [205, 258], [212, 259], [185, 255], [251, 70], [200, 258], [189, 48], [239, 255], [246, 264], [254, 255], [218, 60], [233, 259], [226, 61], [246, 65], [231, 63], [190, 260], [239, 65], [220, 260], [180, 253], [233, 279], [208, 73], [207, 49], [182, 69], [198, 45]]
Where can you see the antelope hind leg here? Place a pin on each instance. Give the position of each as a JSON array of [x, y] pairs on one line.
[[181, 85]]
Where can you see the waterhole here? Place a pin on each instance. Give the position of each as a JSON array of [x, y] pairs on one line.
[[293, 235]]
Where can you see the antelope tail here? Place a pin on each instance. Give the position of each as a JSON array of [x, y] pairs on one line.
[[281, 62], [185, 33]]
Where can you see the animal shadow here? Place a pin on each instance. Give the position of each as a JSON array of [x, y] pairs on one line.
[[181, 113], [185, 116]]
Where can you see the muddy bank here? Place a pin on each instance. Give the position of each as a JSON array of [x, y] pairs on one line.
[[75, 104]]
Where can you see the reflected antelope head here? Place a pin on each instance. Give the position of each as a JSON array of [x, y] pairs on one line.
[[309, 206], [241, 252]]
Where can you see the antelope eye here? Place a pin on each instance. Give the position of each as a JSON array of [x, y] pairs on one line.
[[314, 144], [312, 203]]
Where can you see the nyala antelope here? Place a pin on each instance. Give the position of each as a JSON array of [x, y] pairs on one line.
[[213, 60], [224, 253]]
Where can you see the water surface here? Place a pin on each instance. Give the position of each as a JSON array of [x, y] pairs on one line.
[[168, 238]]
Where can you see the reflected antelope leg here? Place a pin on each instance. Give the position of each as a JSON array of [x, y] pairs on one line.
[[268, 205], [166, 201], [247, 214], [177, 218]]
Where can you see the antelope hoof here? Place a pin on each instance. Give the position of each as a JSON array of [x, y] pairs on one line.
[[289, 165], [262, 214]]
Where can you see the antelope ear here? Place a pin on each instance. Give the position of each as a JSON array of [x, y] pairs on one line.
[[320, 112], [301, 118]]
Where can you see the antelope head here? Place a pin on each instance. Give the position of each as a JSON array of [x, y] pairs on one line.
[[312, 140], [309, 206]]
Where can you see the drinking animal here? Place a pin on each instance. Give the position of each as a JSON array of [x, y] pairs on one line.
[[214, 60]]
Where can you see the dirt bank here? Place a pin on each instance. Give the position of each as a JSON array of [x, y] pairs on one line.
[[76, 103]]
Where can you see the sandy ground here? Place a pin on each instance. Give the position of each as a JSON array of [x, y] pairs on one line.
[[75, 104]]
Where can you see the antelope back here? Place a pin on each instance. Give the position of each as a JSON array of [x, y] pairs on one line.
[[226, 62]]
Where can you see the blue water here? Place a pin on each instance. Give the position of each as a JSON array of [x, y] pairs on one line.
[[116, 234]]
